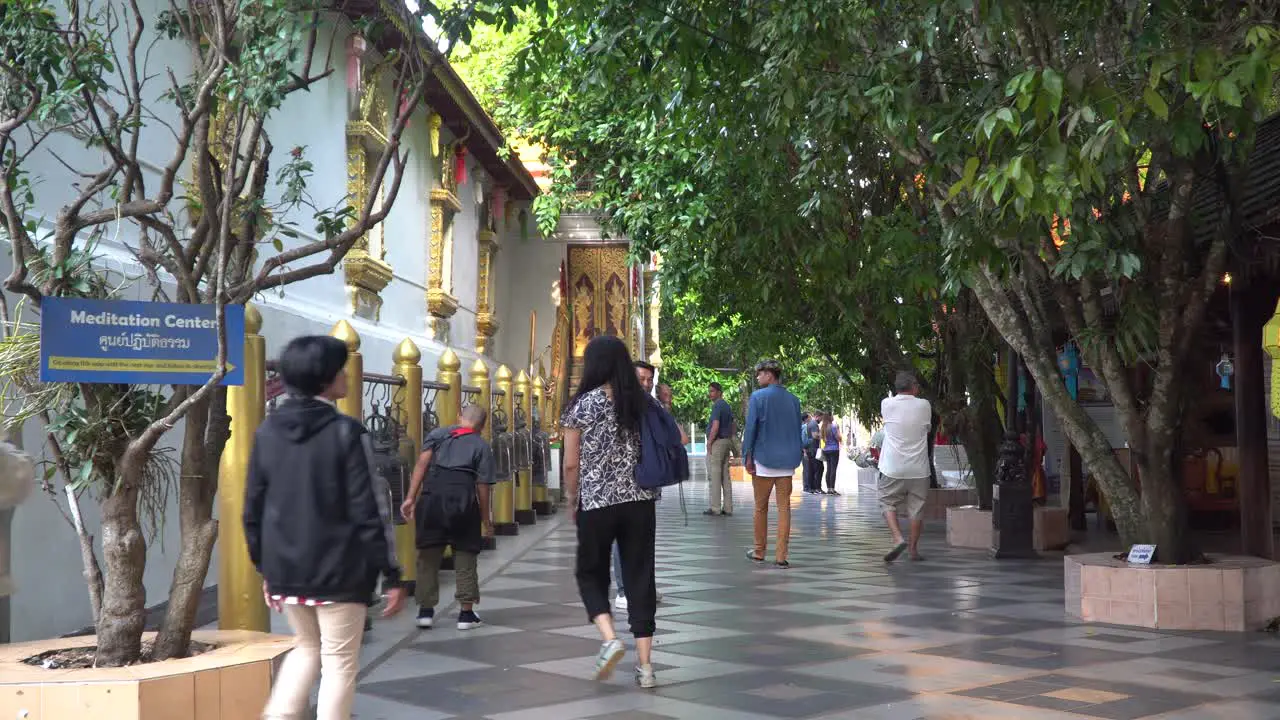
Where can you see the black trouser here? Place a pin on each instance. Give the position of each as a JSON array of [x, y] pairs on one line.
[[634, 527], [833, 459], [811, 482]]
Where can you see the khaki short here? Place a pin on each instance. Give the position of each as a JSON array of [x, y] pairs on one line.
[[896, 491]]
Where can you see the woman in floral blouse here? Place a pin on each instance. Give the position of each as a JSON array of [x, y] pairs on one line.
[[601, 450]]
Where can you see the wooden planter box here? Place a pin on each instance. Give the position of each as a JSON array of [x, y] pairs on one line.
[[231, 682]]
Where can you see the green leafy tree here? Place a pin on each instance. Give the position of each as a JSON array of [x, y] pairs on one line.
[[991, 124], [104, 89], [805, 239]]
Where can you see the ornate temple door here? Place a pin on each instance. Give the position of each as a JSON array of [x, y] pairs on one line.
[[599, 294]]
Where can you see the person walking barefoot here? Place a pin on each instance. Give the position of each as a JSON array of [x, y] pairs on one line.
[[904, 462]]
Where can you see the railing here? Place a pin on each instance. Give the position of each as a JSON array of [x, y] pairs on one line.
[[382, 408], [430, 405], [470, 395]]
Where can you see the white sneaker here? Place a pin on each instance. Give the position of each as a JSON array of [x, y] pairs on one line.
[[645, 677], [620, 602]]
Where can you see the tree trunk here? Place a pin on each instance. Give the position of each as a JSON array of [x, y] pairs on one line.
[[1094, 447], [124, 598], [203, 441], [1164, 505], [982, 445]]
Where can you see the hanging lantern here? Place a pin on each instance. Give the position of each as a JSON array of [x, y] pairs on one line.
[[1225, 369], [1271, 344], [1069, 364], [460, 164]]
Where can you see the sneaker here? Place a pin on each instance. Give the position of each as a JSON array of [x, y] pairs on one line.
[[426, 617], [645, 677], [726, 513], [468, 620], [783, 565], [611, 652], [620, 602], [709, 511], [752, 556]]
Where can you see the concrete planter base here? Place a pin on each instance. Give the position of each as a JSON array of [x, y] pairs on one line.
[[1233, 593], [969, 527], [940, 499], [231, 682]]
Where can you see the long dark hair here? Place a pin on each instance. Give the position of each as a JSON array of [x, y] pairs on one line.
[[607, 362]]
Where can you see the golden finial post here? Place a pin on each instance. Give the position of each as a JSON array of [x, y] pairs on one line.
[[541, 503], [504, 493], [524, 475], [406, 362], [240, 602], [353, 403]]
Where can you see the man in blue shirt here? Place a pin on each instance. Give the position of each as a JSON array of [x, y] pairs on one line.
[[771, 453], [720, 432]]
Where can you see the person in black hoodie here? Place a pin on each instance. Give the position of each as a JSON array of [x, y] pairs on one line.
[[318, 529]]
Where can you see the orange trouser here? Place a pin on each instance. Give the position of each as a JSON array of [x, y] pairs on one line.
[[763, 487]]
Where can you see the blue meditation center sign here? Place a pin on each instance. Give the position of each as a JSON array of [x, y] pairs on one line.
[[141, 343]]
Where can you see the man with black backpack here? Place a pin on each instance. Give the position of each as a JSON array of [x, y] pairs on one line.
[[453, 476]]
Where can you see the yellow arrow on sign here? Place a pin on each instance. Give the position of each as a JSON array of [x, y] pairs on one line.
[[136, 365]]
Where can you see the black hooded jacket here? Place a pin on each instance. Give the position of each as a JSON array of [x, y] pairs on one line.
[[316, 523]]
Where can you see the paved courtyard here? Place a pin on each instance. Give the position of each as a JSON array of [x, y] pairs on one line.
[[840, 635]]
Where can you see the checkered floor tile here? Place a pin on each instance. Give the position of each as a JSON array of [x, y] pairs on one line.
[[840, 635]]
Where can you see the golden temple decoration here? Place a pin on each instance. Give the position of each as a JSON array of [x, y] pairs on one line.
[[365, 267], [435, 122], [654, 340], [441, 304], [486, 321]]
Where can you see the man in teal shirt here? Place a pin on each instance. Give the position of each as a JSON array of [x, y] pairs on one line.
[[771, 453]]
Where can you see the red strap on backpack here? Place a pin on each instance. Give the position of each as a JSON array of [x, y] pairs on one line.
[[459, 432]]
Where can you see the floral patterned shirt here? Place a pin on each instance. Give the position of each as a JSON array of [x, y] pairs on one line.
[[608, 455]]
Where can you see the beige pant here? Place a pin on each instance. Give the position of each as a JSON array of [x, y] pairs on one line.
[[718, 473], [326, 644], [763, 487], [896, 492]]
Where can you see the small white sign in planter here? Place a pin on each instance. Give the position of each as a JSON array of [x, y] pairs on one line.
[[1141, 554]]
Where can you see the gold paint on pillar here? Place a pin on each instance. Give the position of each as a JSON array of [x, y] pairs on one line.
[[407, 364], [524, 476], [504, 493], [448, 404], [479, 378], [352, 404], [486, 317], [240, 602], [539, 407]]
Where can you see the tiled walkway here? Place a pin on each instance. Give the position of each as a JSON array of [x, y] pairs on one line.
[[840, 635]]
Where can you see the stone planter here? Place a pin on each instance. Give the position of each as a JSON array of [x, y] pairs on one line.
[[231, 682], [939, 499], [1233, 593], [969, 527]]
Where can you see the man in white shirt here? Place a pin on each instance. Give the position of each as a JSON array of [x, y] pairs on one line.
[[904, 462]]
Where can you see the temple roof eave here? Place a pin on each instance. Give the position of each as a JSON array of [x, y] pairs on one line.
[[449, 97]]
